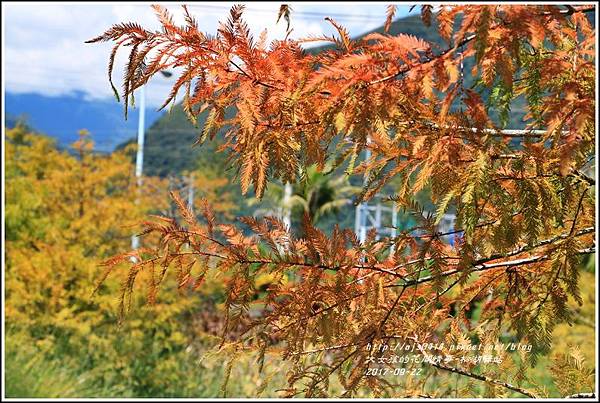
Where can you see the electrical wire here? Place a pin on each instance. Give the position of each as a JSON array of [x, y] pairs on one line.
[[300, 15]]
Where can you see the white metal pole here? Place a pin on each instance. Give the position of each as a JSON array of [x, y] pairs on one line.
[[394, 224], [362, 208], [287, 211], [377, 218], [191, 192], [139, 158], [357, 215]]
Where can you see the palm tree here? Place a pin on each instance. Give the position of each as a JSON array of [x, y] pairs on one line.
[[316, 193]]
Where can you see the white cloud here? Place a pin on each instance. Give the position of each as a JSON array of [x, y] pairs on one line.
[[45, 51]]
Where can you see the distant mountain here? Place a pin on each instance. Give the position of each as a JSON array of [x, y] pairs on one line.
[[63, 116]]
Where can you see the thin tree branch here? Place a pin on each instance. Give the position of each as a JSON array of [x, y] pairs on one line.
[[485, 379], [485, 266], [406, 69], [254, 80]]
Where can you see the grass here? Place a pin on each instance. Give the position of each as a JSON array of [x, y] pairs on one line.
[[30, 374]]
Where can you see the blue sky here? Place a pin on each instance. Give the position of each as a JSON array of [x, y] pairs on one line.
[[45, 53]]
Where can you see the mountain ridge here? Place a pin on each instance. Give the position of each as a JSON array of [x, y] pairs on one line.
[[63, 116]]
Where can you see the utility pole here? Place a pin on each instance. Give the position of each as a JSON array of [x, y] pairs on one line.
[[139, 158], [191, 192], [287, 211], [360, 219]]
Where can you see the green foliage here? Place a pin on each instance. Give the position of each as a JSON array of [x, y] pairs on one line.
[[321, 194]]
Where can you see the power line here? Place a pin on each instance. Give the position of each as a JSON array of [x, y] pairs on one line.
[[308, 15]]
